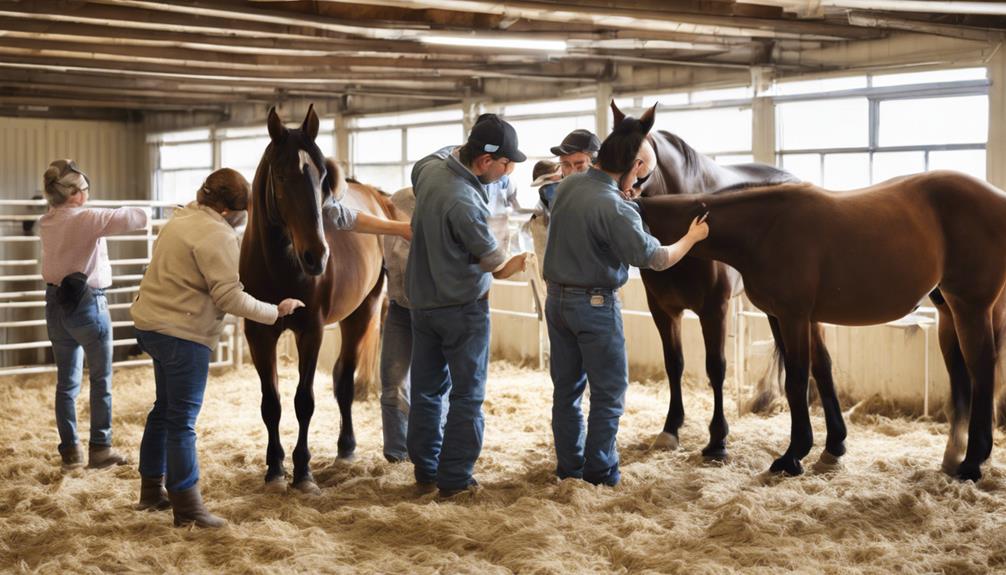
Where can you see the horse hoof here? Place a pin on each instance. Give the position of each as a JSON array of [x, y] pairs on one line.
[[715, 453], [787, 464], [951, 466], [827, 462], [307, 487], [665, 441], [277, 485], [969, 472], [346, 456]]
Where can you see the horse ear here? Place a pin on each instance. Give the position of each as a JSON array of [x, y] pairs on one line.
[[647, 119], [616, 113], [310, 125], [277, 131]]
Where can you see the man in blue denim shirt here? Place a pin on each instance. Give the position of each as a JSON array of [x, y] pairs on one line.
[[594, 235], [452, 260]]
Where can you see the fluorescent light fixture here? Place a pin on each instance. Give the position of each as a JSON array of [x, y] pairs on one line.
[[510, 43]]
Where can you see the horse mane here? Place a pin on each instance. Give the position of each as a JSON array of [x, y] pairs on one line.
[[690, 157], [335, 179]]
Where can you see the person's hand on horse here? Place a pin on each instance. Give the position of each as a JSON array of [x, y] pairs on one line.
[[404, 229], [288, 306], [699, 229], [517, 263], [631, 193]]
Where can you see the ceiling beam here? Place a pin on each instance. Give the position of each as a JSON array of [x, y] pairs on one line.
[[654, 16]]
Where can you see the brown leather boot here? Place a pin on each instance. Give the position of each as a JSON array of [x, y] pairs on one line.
[[153, 496], [102, 456], [73, 457], [189, 509]]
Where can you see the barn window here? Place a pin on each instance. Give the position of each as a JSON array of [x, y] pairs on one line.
[[868, 130]]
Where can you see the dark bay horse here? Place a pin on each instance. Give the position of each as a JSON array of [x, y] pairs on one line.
[[289, 251], [701, 285], [866, 257]]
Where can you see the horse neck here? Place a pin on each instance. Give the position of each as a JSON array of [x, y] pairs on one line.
[[682, 170], [737, 222]]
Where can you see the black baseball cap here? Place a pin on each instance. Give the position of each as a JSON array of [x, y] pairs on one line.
[[492, 135], [578, 141]]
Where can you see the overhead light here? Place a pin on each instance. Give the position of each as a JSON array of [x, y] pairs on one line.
[[510, 43]]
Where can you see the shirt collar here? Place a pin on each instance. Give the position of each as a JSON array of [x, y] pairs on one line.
[[454, 163], [602, 177]]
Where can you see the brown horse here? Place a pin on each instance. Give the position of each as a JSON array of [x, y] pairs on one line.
[[701, 285], [289, 251], [866, 257]]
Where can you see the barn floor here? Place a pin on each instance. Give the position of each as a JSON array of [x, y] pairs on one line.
[[888, 509]]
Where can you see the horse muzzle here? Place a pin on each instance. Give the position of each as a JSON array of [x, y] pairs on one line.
[[312, 262]]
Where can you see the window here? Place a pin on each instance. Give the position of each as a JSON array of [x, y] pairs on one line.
[[823, 124], [383, 153], [880, 130], [184, 160]]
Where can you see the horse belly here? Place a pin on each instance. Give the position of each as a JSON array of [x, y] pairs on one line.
[[355, 267], [875, 292]]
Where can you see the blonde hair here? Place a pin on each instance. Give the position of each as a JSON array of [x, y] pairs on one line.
[[61, 180]]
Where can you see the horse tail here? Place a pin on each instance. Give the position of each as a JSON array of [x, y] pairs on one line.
[[770, 385], [368, 365]]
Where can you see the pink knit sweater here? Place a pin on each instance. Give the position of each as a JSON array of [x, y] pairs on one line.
[[73, 240]]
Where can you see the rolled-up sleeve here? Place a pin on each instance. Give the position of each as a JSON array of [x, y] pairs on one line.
[[342, 218], [626, 235], [217, 259]]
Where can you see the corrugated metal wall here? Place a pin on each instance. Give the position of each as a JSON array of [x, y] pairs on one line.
[[112, 154]]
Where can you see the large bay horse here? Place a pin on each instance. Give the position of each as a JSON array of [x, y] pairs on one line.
[[865, 257], [701, 285], [290, 251]]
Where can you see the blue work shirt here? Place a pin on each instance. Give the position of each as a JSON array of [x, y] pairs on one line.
[[594, 234], [450, 234]]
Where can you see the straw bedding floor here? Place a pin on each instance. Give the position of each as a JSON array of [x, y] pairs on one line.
[[888, 509]]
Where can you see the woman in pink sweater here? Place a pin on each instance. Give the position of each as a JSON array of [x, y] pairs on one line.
[[76, 270]]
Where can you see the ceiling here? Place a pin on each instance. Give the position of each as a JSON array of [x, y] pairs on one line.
[[65, 58]]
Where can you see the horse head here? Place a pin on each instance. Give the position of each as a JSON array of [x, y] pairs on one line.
[[626, 150], [296, 188]]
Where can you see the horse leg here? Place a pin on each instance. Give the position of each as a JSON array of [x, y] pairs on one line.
[[977, 341], [796, 342], [669, 327], [354, 329], [308, 345], [960, 390], [262, 344], [820, 365], [714, 336]]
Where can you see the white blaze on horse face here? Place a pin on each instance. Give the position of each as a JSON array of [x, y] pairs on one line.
[[305, 160]]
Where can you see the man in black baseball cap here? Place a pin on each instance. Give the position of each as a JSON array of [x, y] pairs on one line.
[[451, 264], [577, 151], [491, 135]]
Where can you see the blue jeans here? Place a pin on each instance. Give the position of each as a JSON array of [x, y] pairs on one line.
[[87, 330], [168, 446], [588, 348], [450, 354], [396, 357]]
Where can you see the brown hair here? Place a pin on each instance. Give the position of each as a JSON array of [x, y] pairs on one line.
[[225, 188]]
